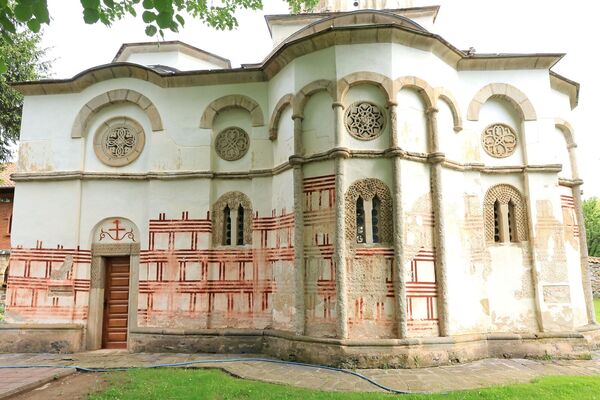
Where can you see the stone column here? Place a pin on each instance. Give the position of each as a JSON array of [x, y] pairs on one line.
[[583, 252], [296, 161], [537, 295], [398, 224], [439, 234], [340, 232]]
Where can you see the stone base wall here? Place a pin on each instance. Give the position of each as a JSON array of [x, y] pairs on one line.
[[594, 263], [15, 338], [376, 353]]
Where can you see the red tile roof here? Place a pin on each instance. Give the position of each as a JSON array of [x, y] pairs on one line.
[[5, 172]]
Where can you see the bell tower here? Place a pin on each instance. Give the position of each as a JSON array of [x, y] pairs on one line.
[[352, 5]]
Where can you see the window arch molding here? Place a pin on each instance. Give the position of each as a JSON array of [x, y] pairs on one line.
[[367, 189], [233, 200], [505, 215]]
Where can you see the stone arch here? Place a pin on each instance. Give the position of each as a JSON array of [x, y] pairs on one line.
[[366, 77], [281, 105], [504, 91], [232, 101], [368, 188], [503, 193], [300, 99], [447, 97], [568, 133], [232, 199], [567, 130], [92, 107], [418, 84]]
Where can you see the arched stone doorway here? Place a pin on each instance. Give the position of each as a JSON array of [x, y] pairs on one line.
[[112, 311]]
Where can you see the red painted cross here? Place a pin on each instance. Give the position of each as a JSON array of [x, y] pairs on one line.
[[116, 229]]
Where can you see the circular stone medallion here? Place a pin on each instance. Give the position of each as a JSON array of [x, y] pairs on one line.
[[364, 120], [232, 143], [499, 140], [119, 141]]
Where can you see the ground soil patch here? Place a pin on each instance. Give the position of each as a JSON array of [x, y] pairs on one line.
[[72, 387]]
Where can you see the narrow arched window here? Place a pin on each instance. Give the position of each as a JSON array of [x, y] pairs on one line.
[[497, 221], [240, 226], [505, 215], [360, 220], [512, 223], [375, 211], [227, 226]]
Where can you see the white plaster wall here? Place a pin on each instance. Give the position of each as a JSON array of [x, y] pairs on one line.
[[509, 284], [105, 199], [283, 147], [175, 59], [317, 126], [411, 121], [465, 264], [45, 211]]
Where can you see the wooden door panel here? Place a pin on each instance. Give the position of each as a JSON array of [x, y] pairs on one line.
[[116, 303]]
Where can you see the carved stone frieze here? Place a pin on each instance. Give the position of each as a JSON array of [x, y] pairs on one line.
[[364, 120], [233, 200], [119, 141], [232, 143], [499, 140]]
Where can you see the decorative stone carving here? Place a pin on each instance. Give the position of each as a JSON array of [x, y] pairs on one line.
[[119, 141], [367, 189], [364, 120], [233, 200], [503, 194], [232, 143], [499, 140]]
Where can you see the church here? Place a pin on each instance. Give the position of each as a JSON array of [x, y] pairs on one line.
[[367, 195]]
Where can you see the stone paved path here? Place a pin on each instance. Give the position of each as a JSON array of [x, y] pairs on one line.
[[452, 377]]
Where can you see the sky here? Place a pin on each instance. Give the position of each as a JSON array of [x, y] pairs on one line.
[[512, 26]]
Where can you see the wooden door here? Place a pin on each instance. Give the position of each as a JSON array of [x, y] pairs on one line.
[[116, 298]]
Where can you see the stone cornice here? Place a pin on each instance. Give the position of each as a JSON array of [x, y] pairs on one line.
[[290, 50], [431, 158]]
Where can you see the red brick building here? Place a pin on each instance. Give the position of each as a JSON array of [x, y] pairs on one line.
[[7, 191]]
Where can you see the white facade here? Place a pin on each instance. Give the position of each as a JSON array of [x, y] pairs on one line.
[[297, 265]]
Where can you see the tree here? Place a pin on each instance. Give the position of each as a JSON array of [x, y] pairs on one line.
[[591, 216], [158, 15], [26, 63]]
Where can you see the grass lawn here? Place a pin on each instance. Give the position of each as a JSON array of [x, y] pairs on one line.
[[184, 384], [597, 307]]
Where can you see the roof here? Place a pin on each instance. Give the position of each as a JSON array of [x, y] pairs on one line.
[[6, 171], [364, 26], [309, 18], [170, 45]]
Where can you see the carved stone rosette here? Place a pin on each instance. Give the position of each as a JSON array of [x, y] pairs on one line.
[[367, 189], [504, 193], [364, 120], [232, 143], [499, 140], [233, 200], [119, 141]]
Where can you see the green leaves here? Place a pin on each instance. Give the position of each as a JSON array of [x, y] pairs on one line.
[[151, 30], [23, 12], [20, 60], [591, 217]]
